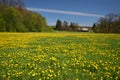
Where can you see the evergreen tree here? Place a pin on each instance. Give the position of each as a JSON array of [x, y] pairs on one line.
[[94, 28], [58, 25]]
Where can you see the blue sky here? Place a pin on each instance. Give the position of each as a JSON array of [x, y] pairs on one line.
[[84, 12]]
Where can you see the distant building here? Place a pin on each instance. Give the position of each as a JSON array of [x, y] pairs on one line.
[[85, 29]]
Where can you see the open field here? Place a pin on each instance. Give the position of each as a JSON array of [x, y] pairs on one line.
[[59, 56]]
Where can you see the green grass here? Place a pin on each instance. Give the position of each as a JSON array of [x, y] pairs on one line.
[[59, 56]]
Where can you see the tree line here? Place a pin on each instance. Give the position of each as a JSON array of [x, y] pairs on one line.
[[65, 26], [107, 24], [14, 17]]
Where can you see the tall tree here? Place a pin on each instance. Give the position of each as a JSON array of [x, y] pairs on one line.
[[2, 23], [110, 18], [65, 25], [109, 24], [58, 25], [94, 27], [14, 18]]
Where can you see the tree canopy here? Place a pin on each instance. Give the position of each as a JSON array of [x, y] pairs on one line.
[[108, 24], [66, 26], [15, 18]]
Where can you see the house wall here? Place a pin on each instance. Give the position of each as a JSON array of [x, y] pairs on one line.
[[85, 29]]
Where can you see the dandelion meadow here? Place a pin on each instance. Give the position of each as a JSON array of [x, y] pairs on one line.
[[59, 56]]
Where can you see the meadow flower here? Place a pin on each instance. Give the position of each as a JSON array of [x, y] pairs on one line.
[[41, 56]]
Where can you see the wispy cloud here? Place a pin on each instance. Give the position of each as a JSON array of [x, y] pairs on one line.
[[65, 12]]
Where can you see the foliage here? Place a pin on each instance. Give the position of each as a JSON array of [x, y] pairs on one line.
[[58, 25], [59, 56], [66, 27], [108, 24], [2, 23], [94, 28], [15, 18]]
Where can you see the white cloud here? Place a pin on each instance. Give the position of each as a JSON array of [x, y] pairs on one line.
[[65, 12]]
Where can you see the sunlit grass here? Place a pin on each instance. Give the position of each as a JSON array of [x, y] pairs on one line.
[[59, 56]]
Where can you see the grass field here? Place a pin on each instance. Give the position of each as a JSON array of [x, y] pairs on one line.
[[59, 56]]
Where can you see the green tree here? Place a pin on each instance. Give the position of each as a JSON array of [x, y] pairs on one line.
[[65, 25], [94, 28], [2, 24], [109, 24], [58, 25], [9, 17], [15, 18]]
